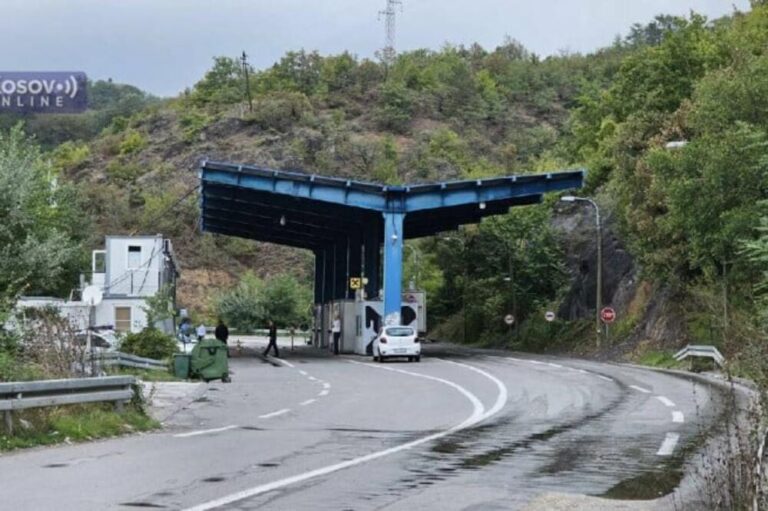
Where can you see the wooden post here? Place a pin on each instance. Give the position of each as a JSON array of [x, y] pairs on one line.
[[8, 419]]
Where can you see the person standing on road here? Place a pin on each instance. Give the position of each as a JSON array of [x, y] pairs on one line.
[[222, 333], [336, 332], [201, 330], [272, 339]]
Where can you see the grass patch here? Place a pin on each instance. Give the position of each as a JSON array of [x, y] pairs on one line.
[[77, 423], [147, 374], [661, 359]]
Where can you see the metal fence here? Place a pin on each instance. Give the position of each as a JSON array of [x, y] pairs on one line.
[[116, 358], [701, 350], [40, 394]]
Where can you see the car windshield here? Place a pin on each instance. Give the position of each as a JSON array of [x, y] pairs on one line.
[[399, 332]]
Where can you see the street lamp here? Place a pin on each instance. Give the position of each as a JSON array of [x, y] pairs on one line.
[[599, 299]]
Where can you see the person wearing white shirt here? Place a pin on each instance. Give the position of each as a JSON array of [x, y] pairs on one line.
[[336, 332], [201, 332]]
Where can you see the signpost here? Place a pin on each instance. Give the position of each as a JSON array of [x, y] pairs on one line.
[[608, 315], [549, 316], [509, 319]]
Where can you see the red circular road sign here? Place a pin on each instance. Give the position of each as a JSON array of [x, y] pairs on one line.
[[608, 315]]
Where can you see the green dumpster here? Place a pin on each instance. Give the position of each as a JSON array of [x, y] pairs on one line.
[[181, 362], [209, 361]]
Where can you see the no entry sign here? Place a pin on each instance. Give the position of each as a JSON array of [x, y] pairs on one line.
[[608, 315]]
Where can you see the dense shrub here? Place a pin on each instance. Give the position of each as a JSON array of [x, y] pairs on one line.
[[149, 343]]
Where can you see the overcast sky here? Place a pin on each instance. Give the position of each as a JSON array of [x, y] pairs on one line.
[[163, 46]]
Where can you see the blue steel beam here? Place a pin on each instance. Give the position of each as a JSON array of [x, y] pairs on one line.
[[393, 266]]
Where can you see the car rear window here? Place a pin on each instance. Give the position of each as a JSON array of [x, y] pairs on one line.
[[400, 332]]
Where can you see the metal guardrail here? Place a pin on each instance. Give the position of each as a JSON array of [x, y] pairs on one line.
[[117, 358], [701, 350], [43, 393]]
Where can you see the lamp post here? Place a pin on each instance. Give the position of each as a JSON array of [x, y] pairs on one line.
[[599, 293]]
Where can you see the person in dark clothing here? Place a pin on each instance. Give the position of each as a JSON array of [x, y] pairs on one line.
[[222, 332], [272, 339]]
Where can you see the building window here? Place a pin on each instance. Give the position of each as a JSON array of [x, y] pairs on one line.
[[99, 261], [134, 257], [122, 319]]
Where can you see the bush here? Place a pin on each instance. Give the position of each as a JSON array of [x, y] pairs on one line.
[[132, 143], [149, 343]]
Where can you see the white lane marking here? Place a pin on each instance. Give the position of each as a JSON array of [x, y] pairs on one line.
[[302, 372], [515, 359], [550, 364], [677, 416], [274, 414], [326, 385], [640, 389], [205, 431], [666, 401], [501, 398], [307, 402], [323, 392], [582, 371], [313, 378], [285, 362], [536, 362], [668, 445], [604, 378], [477, 415]]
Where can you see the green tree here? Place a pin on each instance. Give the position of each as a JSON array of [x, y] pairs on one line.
[[43, 228]]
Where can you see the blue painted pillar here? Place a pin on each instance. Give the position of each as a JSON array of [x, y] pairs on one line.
[[393, 266]]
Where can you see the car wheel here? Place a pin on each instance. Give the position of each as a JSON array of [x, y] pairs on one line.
[[381, 358], [375, 358], [410, 359], [418, 358]]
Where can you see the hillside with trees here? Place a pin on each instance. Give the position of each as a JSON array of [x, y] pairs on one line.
[[692, 219]]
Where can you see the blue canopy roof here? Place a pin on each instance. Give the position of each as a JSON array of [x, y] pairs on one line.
[[313, 212]]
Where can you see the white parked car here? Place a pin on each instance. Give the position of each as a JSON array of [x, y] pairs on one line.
[[397, 341], [101, 340]]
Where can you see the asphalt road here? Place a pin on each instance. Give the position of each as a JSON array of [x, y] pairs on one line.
[[461, 430]]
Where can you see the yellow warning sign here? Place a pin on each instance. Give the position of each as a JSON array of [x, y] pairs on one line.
[[355, 283]]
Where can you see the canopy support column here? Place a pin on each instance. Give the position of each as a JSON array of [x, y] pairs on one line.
[[393, 266]]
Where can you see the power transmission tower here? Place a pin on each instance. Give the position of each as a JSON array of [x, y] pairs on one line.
[[388, 53], [244, 60]]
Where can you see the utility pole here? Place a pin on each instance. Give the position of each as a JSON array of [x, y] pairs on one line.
[[244, 60], [389, 13]]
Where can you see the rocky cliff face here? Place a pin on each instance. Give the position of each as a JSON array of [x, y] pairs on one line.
[[647, 311], [577, 228]]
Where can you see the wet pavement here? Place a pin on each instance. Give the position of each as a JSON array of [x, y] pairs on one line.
[[464, 429]]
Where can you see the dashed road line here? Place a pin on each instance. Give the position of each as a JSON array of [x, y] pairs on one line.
[[326, 385], [285, 362], [677, 416], [307, 402], [558, 366], [668, 445], [302, 372], [665, 401], [205, 431], [604, 378], [640, 389], [323, 392], [274, 414], [478, 414]]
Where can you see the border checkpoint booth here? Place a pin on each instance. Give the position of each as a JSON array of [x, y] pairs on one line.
[[356, 231]]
